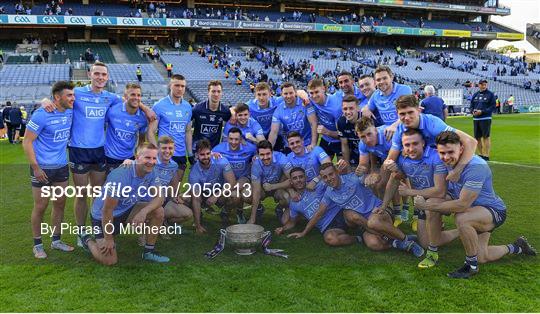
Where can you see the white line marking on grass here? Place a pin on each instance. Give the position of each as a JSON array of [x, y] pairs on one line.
[[513, 164]]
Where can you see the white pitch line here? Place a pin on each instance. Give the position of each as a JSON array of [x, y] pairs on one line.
[[513, 164]]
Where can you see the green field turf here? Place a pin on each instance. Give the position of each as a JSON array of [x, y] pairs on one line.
[[315, 278]]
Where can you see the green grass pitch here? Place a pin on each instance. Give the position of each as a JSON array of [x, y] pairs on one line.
[[316, 278]]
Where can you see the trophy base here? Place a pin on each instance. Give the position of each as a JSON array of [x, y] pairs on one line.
[[244, 251]]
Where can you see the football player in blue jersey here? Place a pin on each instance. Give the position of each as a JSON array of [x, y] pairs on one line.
[[252, 132], [347, 87], [477, 209], [383, 99], [292, 115], [421, 166], [268, 178], [218, 173], [175, 207], [328, 109], [366, 83], [430, 126], [263, 106], [45, 142], [174, 119], [115, 209], [309, 160], [361, 209], [331, 224], [86, 146], [239, 156], [126, 128]]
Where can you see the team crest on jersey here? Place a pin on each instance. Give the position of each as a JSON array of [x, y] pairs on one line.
[[212, 118], [179, 114]]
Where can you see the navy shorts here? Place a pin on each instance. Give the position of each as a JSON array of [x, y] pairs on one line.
[[499, 216], [337, 223], [97, 227], [482, 128], [113, 163], [53, 175], [332, 149], [83, 160]]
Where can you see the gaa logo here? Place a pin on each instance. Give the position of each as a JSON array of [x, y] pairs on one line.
[[103, 20], [154, 22], [179, 23], [95, 112], [50, 20], [61, 135], [76, 20], [129, 22], [21, 19]]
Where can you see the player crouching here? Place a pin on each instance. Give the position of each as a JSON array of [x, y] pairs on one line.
[[477, 209], [113, 209]]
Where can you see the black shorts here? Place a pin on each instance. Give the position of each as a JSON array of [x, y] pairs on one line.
[[113, 163], [337, 223], [482, 128], [332, 149], [53, 175], [181, 161], [499, 216], [97, 227], [83, 160], [280, 144]]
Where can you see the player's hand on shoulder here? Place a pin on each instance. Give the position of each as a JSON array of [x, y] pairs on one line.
[[127, 162], [295, 197], [216, 155], [310, 147], [389, 132], [47, 105]]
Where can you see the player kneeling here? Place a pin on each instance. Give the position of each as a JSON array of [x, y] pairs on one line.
[[216, 173], [124, 187], [331, 223], [476, 208], [268, 179], [426, 173]]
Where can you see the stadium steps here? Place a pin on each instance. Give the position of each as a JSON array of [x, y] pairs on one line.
[[119, 55], [160, 67]]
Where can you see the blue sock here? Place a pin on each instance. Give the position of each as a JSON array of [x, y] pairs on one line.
[[55, 237], [400, 245], [148, 248], [396, 210], [513, 249], [37, 241], [472, 261]]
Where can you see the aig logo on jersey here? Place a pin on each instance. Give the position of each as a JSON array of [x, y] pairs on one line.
[[95, 112], [123, 134], [177, 126], [209, 129], [61, 135]]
